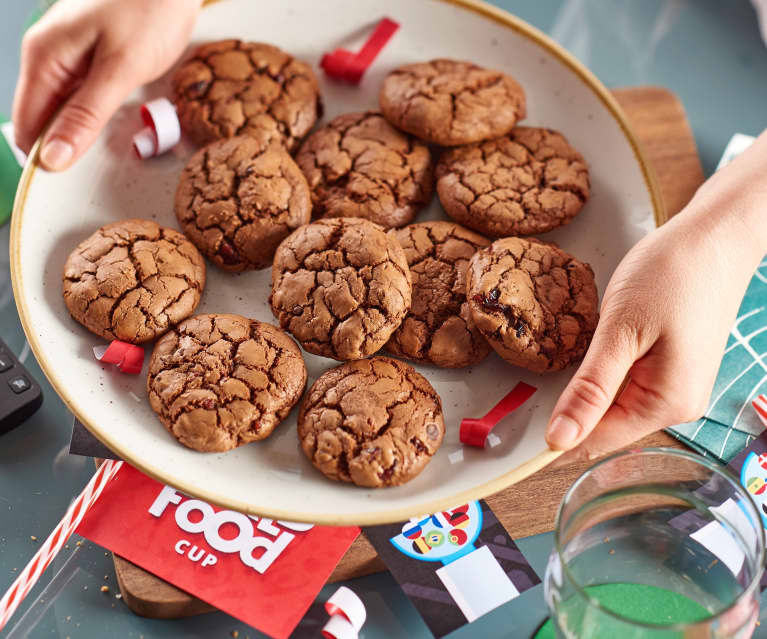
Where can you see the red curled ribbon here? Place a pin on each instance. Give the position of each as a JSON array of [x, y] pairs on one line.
[[347, 615], [350, 67], [128, 358], [339, 628], [474, 431]]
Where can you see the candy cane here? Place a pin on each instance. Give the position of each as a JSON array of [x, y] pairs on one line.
[[48, 551]]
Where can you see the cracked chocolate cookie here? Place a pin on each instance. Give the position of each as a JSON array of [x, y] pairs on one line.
[[359, 165], [341, 286], [535, 304], [374, 422], [529, 181], [238, 199], [133, 280], [449, 102], [220, 381], [439, 329], [231, 87]]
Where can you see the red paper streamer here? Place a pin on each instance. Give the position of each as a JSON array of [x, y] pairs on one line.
[[350, 67], [128, 358], [474, 431]]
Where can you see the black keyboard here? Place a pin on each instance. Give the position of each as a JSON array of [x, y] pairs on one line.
[[20, 395]]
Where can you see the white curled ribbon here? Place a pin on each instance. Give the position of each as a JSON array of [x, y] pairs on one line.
[[339, 627], [162, 130], [345, 602], [347, 615]]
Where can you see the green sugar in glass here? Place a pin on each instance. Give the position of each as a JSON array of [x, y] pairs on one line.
[[658, 544], [637, 602]]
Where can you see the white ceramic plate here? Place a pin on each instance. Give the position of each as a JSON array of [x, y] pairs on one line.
[[56, 211]]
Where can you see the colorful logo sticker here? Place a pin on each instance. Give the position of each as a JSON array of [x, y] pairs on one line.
[[753, 475], [443, 536]]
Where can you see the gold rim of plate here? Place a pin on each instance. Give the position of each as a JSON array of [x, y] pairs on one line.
[[389, 515]]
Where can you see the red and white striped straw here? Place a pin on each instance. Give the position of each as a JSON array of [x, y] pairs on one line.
[[45, 555], [760, 406]]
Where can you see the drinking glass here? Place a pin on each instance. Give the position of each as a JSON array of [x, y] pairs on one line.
[[659, 544]]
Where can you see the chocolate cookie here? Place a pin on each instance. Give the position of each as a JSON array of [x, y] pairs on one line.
[[359, 165], [439, 329], [341, 286], [238, 199], [529, 181], [220, 381], [133, 280], [535, 304], [375, 422], [231, 87], [450, 102]]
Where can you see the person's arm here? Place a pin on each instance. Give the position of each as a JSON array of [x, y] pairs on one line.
[[85, 57], [666, 316]]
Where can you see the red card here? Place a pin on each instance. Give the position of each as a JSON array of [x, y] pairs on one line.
[[263, 572]]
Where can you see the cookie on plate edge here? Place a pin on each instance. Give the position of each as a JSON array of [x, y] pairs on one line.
[[219, 381], [373, 422], [132, 280]]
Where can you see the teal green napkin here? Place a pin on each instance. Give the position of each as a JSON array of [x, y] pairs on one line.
[[712, 439], [731, 423]]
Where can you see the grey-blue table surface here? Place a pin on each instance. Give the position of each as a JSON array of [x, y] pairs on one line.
[[707, 51]]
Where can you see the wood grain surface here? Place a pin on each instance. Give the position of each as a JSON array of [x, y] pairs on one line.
[[529, 507]]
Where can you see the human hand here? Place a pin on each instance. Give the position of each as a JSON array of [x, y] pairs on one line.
[[665, 319], [86, 56]]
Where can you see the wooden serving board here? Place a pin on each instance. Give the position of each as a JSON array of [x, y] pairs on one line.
[[529, 507]]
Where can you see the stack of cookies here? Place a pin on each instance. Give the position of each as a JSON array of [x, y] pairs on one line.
[[361, 277]]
